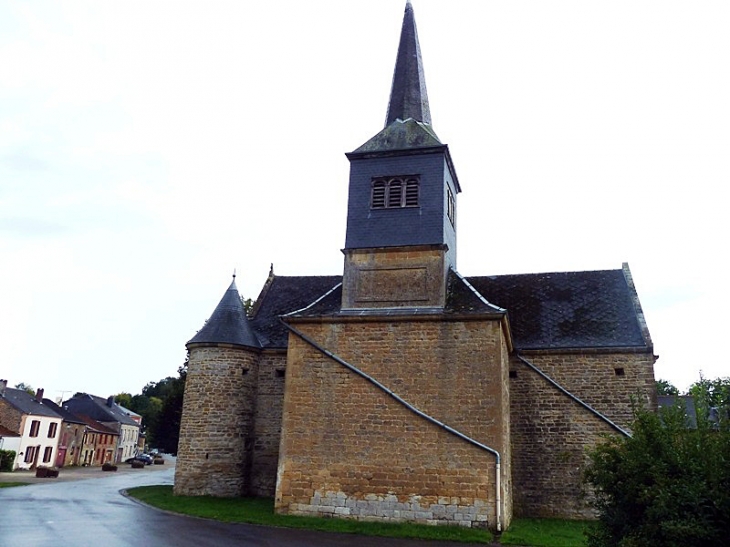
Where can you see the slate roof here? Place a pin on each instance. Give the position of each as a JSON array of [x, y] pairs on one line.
[[228, 324], [460, 299], [97, 408], [563, 310], [27, 403], [66, 414], [284, 294], [686, 401], [408, 121], [408, 97], [566, 309], [98, 427]]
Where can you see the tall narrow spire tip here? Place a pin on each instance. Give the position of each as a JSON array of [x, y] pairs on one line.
[[408, 96]]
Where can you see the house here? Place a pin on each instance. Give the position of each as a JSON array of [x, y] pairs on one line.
[[72, 432], [37, 424], [400, 389], [99, 444], [10, 442], [109, 414]]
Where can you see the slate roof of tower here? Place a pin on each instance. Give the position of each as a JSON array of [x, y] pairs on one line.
[[228, 324], [408, 96], [408, 120], [27, 403], [566, 309], [563, 310]]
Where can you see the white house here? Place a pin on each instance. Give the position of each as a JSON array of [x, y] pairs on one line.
[[37, 425]]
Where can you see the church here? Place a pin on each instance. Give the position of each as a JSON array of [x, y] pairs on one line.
[[401, 390]]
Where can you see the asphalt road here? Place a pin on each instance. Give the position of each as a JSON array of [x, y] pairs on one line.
[[91, 511]]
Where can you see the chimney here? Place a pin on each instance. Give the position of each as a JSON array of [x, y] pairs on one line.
[[110, 401], [3, 385], [39, 395]]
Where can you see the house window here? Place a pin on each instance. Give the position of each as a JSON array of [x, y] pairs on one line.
[[47, 454], [35, 425], [451, 206], [30, 454], [52, 428], [395, 192]]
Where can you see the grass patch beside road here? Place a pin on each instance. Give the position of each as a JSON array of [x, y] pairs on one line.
[[11, 484], [261, 511], [546, 533]]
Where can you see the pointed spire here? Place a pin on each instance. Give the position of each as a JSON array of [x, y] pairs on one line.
[[228, 324], [408, 97]]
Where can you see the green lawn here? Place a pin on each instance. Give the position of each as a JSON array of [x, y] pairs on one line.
[[524, 532], [546, 533], [261, 511], [11, 484]]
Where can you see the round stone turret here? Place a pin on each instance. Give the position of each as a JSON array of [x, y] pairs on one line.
[[216, 430]]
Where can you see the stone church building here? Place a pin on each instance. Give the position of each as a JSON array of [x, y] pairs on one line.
[[402, 390]]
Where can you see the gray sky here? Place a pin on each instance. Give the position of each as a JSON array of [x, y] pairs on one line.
[[149, 148]]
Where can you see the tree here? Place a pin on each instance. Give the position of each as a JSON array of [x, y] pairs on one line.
[[664, 387], [666, 485], [124, 399], [160, 405], [25, 387], [712, 398]]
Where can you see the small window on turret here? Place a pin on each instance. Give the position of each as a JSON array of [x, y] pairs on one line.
[[395, 192]]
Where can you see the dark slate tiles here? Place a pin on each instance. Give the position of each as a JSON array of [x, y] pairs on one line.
[[566, 309]]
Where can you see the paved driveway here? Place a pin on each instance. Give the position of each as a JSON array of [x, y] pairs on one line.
[[91, 511]]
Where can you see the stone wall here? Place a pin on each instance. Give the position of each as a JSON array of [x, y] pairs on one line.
[[72, 438], [217, 426], [394, 277], [551, 433], [10, 417], [269, 403], [349, 449]]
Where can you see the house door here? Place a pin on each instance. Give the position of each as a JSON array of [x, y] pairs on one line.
[[61, 456]]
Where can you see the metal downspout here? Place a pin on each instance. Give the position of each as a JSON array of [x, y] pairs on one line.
[[409, 406], [573, 397]]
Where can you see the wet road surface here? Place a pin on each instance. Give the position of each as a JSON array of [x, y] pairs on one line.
[[92, 512]]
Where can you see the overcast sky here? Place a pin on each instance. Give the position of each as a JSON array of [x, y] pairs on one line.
[[149, 148]]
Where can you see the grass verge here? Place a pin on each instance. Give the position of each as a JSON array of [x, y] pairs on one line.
[[261, 511], [546, 533], [11, 484]]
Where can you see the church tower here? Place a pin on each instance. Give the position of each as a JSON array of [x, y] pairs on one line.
[[401, 216]]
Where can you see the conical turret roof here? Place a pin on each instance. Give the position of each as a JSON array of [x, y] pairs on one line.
[[228, 324]]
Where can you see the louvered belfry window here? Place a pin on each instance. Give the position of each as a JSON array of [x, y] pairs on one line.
[[395, 192]]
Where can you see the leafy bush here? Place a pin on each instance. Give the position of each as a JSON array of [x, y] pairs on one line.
[[667, 485], [7, 458]]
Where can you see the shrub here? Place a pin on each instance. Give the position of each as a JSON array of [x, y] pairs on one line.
[[137, 464], [667, 485], [108, 466], [7, 460]]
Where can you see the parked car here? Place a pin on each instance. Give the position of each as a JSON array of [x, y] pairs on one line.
[[144, 458]]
